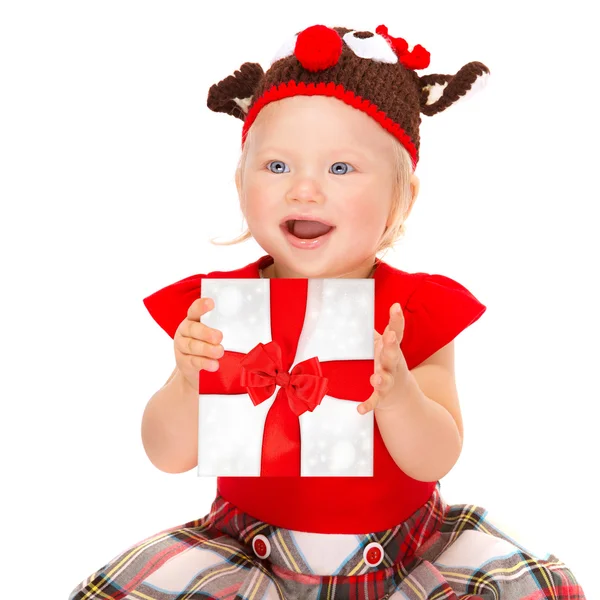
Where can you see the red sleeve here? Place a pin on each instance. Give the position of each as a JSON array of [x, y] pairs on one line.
[[435, 313], [169, 305]]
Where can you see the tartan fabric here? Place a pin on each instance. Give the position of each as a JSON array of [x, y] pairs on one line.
[[441, 552]]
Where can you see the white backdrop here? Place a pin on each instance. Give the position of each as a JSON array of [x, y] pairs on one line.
[[114, 174]]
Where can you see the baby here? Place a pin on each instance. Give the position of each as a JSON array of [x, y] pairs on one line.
[[326, 180]]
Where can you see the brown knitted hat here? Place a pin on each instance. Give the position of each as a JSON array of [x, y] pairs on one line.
[[373, 72]]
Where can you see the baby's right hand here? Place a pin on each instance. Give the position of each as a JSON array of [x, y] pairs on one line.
[[197, 346]]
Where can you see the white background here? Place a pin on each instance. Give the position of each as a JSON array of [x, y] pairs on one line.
[[114, 174]]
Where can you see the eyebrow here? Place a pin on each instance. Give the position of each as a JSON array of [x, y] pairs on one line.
[[355, 152]]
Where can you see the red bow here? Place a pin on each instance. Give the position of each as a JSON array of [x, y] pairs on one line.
[[262, 370]]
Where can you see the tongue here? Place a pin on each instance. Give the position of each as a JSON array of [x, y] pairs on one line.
[[309, 229]]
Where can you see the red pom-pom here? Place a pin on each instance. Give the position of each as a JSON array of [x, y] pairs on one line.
[[318, 48]]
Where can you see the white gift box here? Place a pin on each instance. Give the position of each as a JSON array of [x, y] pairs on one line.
[[335, 321]]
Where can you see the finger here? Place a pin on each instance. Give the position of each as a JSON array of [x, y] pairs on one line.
[[201, 363], [396, 322], [192, 327], [369, 404], [196, 347], [377, 348], [200, 307], [390, 353], [201, 331], [378, 364], [382, 382]]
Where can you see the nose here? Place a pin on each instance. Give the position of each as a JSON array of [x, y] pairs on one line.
[[318, 48], [305, 189]]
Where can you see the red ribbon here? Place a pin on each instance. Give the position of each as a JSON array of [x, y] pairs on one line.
[[262, 370]]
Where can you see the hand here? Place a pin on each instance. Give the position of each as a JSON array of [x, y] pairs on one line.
[[391, 370], [197, 346]]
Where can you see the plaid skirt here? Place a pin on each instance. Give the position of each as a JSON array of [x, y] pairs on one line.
[[440, 552]]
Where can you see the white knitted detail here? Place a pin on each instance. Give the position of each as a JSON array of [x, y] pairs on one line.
[[435, 91], [243, 103], [375, 47], [287, 49]]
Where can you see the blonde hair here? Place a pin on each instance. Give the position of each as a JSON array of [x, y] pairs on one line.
[[401, 196]]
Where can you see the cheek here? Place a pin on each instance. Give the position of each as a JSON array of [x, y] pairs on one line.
[[260, 191], [255, 200], [369, 213]]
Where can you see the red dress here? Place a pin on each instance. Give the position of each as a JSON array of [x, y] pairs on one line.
[[436, 308], [284, 537]]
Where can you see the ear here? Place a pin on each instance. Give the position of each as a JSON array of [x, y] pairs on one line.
[[233, 95], [438, 92], [238, 182], [238, 185], [415, 186]]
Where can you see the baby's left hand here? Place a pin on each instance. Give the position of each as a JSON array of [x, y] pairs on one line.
[[390, 365]]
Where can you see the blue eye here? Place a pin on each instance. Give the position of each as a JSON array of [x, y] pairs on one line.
[[277, 162], [336, 170]]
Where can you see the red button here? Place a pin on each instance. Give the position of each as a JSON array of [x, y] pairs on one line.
[[373, 554], [261, 546]]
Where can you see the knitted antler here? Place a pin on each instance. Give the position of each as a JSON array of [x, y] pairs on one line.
[[234, 94], [438, 92]]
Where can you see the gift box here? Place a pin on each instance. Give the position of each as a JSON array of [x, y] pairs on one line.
[[298, 358]]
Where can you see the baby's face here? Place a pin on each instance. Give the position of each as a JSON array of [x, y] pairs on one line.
[[318, 157]]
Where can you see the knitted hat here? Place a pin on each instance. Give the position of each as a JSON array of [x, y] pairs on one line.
[[373, 72]]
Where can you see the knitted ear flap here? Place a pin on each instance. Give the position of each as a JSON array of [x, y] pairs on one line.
[[233, 94], [438, 92]]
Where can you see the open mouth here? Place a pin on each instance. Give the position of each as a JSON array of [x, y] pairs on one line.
[[306, 234], [307, 230]]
